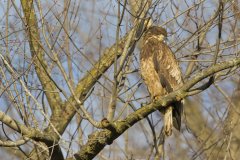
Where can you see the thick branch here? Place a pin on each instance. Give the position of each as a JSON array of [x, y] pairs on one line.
[[37, 52], [13, 143], [25, 131], [99, 139], [92, 76], [41, 68], [14, 124]]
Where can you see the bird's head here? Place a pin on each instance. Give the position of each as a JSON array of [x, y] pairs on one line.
[[156, 32]]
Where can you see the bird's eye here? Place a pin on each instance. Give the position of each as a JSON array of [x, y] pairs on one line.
[[165, 40]]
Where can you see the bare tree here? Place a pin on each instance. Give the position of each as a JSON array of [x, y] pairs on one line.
[[70, 86]]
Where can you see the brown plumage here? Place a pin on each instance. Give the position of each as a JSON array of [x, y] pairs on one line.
[[161, 74]]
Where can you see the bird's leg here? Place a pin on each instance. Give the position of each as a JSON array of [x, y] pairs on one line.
[[168, 121]]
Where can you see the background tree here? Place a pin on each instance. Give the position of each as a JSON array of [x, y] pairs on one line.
[[70, 86]]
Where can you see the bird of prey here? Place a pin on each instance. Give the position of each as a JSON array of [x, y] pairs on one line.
[[161, 74]]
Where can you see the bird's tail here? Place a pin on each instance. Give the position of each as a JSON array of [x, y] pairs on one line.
[[172, 117], [177, 114], [168, 121]]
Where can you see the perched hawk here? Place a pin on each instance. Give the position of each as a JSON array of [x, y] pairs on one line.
[[161, 74]]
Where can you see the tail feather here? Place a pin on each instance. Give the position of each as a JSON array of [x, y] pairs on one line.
[[172, 117], [168, 121], [177, 114]]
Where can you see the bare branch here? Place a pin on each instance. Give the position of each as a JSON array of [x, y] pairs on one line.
[[37, 52], [13, 143], [20, 128], [98, 140]]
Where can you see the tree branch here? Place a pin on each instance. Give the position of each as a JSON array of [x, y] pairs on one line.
[[13, 143], [37, 53], [92, 76], [99, 139], [14, 124], [25, 131]]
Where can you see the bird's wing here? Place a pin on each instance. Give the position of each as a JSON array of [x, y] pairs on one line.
[[167, 68], [170, 77]]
